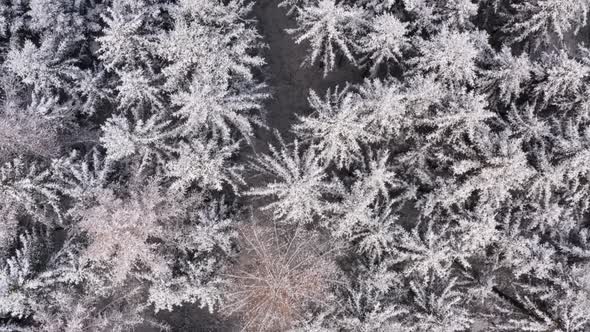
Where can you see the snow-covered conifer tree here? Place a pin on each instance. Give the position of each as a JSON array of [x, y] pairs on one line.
[[331, 29], [339, 128], [299, 183], [386, 41], [540, 21]]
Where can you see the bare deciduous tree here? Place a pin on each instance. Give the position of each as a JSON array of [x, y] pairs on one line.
[[277, 277]]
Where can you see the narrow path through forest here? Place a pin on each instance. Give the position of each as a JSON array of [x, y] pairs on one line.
[[288, 80], [289, 83]]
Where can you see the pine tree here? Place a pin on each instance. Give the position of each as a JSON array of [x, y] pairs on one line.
[[338, 128], [205, 164], [298, 183], [27, 189], [330, 27], [539, 21], [451, 55], [144, 143], [203, 28], [386, 41], [219, 108], [509, 75]]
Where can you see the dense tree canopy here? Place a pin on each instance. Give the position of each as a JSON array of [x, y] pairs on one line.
[[446, 189]]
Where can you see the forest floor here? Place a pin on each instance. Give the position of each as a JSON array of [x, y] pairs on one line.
[[289, 85]]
